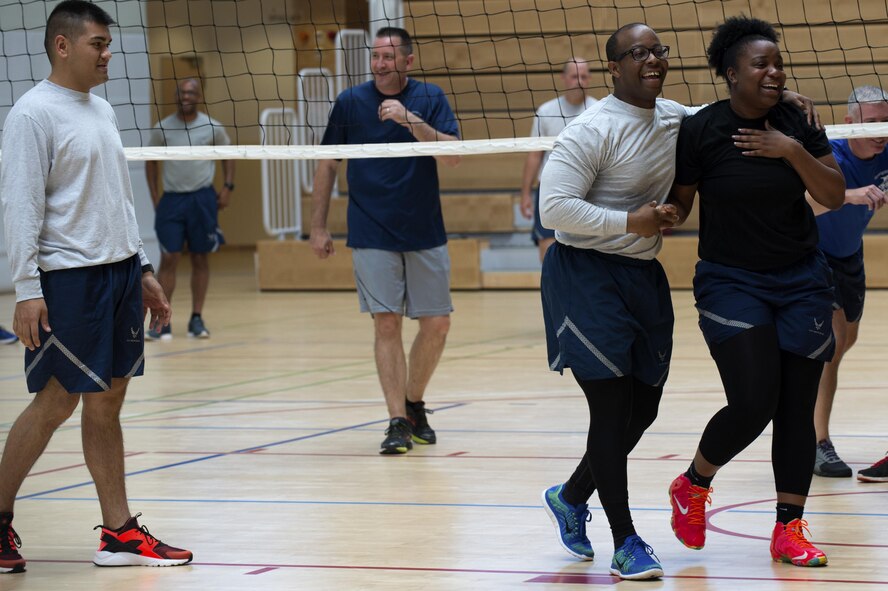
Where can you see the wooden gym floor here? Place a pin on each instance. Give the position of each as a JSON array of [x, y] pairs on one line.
[[257, 449]]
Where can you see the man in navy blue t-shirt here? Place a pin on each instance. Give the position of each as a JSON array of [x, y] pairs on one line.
[[395, 228], [864, 162]]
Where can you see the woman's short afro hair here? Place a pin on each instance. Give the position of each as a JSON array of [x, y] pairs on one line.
[[731, 36]]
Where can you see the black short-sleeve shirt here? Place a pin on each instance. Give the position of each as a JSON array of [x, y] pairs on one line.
[[753, 212]]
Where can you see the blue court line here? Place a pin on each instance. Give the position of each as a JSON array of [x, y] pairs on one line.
[[222, 455], [534, 507]]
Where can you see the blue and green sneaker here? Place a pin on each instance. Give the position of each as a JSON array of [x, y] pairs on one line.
[[570, 521], [635, 560]]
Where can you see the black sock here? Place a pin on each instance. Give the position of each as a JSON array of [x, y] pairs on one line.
[[195, 315], [787, 512], [698, 479], [572, 496]]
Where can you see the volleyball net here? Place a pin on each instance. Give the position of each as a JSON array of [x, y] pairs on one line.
[[280, 63]]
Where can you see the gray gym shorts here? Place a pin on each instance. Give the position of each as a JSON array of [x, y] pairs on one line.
[[414, 283]]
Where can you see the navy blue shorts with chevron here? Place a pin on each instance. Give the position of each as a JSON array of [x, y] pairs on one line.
[[96, 316]]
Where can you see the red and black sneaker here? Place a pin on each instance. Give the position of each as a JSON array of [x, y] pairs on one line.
[[10, 559], [133, 545]]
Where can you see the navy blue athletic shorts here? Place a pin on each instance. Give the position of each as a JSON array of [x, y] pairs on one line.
[[797, 299], [606, 315], [96, 317], [539, 232], [191, 217], [849, 278]]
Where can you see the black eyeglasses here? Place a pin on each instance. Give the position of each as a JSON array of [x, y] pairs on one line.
[[640, 54]]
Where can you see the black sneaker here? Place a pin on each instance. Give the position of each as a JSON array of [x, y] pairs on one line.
[[397, 437], [878, 472], [828, 463], [422, 432], [10, 559]]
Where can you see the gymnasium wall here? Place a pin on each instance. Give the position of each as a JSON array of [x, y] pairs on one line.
[[495, 79]]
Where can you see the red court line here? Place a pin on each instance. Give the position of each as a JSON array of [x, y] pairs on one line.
[[576, 579], [466, 455], [261, 570], [72, 466], [490, 571]]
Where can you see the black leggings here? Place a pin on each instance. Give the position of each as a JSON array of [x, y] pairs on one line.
[[763, 384], [620, 409]]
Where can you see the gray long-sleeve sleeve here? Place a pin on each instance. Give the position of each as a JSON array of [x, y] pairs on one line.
[[611, 160], [65, 186]]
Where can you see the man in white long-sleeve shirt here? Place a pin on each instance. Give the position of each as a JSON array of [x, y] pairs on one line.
[[81, 280]]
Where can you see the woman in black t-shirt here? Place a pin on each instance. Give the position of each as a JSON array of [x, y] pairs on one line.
[[763, 290]]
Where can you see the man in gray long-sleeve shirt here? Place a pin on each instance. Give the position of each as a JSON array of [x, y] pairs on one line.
[[81, 279], [606, 301]]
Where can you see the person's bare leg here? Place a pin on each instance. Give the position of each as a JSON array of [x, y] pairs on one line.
[[845, 334], [103, 450], [166, 274], [391, 364], [200, 281], [425, 354], [703, 467], [29, 436]]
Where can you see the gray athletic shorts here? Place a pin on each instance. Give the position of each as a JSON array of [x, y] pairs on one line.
[[415, 283]]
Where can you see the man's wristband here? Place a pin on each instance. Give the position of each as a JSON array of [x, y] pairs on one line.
[[147, 268], [229, 186]]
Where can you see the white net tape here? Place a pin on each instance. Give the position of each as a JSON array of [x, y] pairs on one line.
[[461, 148]]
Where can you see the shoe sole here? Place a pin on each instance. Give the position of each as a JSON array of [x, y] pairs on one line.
[[18, 568], [844, 473], [813, 562], [394, 451], [203, 335], [551, 513], [421, 441], [863, 478], [126, 559], [653, 573], [163, 337]]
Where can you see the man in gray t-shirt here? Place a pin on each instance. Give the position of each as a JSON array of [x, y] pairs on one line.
[[188, 210]]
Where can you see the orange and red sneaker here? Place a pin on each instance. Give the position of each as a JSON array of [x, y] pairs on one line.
[[133, 545], [788, 544], [10, 559], [689, 511]]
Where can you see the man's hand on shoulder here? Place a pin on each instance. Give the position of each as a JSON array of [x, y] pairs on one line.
[[805, 104]]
